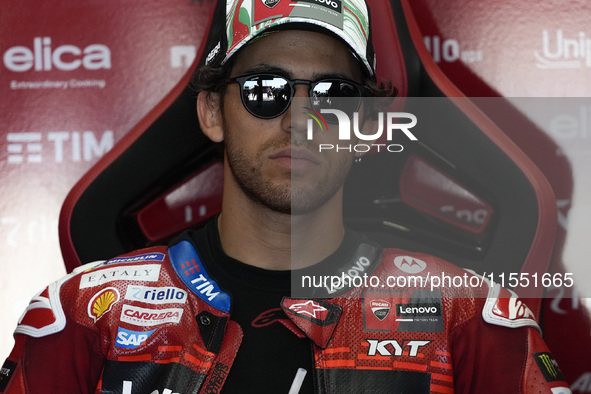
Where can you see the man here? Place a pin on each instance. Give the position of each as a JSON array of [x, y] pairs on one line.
[[214, 311]]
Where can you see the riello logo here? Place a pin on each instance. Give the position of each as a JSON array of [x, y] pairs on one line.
[[388, 122], [44, 57]]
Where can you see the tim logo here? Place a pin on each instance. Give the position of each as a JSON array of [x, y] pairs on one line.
[[562, 52], [390, 121], [410, 265]]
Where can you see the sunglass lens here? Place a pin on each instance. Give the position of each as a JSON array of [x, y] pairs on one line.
[[266, 96], [336, 94]]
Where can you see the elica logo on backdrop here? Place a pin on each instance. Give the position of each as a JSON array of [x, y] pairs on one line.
[[344, 127], [44, 57]]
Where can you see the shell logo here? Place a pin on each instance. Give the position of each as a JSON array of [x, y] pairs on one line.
[[102, 302]]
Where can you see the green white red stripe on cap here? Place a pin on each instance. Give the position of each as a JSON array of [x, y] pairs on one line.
[[346, 19]]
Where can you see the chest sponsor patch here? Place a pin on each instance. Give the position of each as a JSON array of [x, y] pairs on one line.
[[156, 295], [129, 339], [410, 265], [403, 311], [189, 267], [102, 302], [150, 317], [380, 308], [549, 367], [145, 273], [138, 258]]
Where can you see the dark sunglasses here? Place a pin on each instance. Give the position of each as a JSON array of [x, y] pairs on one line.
[[267, 96]]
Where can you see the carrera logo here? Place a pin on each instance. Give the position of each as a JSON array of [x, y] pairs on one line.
[[310, 308], [150, 317], [129, 339], [410, 265], [43, 57], [380, 308], [146, 273], [391, 347], [156, 295], [102, 303]]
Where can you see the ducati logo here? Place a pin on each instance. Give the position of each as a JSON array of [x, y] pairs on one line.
[[270, 3], [410, 265], [380, 308]]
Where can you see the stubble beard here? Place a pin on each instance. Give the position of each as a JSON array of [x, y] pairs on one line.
[[282, 198]]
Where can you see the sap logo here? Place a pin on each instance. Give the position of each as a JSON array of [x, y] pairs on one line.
[[156, 295], [65, 57], [181, 56], [410, 265], [132, 339], [391, 347]]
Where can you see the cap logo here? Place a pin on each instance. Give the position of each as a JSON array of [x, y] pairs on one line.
[[270, 3]]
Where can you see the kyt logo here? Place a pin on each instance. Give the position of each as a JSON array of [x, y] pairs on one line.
[[44, 57], [391, 347], [345, 127]]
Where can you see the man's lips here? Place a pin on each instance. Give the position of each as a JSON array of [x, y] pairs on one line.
[[295, 158], [296, 154]]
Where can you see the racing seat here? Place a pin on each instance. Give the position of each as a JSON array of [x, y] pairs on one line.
[[464, 191]]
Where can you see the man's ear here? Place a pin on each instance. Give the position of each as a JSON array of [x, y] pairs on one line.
[[210, 115]]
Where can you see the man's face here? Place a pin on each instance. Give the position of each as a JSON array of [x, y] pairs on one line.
[[271, 160]]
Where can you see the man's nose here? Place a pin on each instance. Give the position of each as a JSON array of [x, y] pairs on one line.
[[296, 114]]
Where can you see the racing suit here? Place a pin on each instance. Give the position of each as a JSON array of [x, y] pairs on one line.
[[154, 321]]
